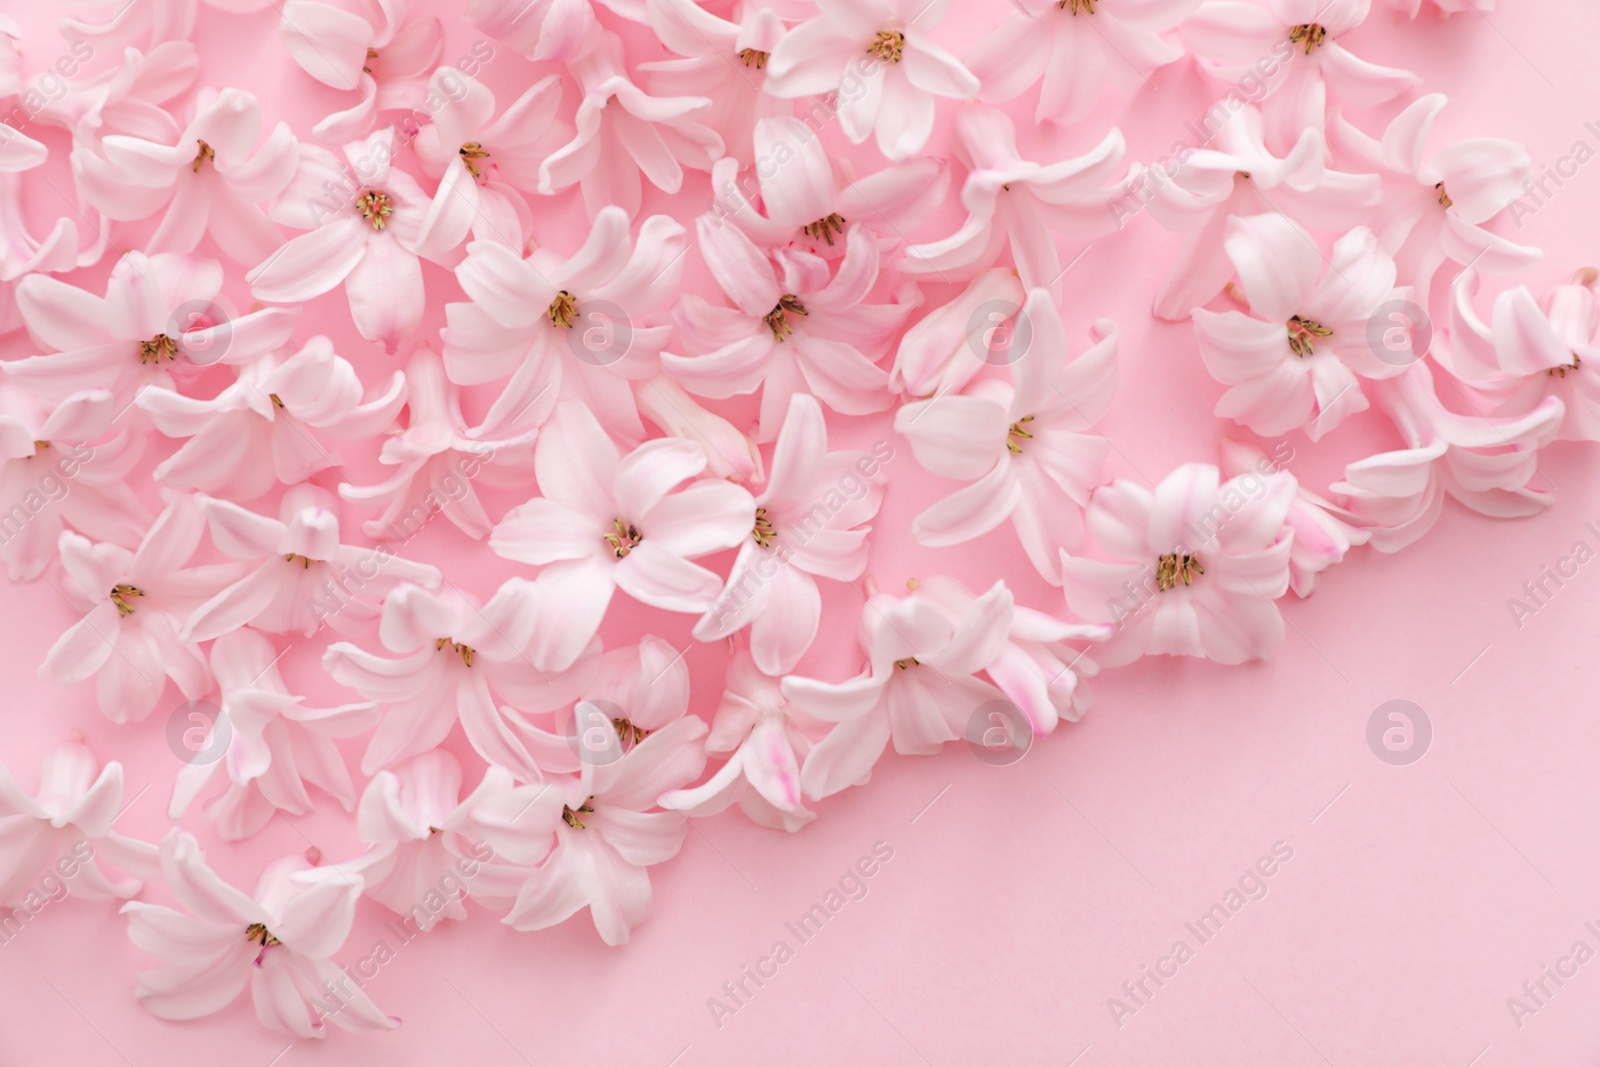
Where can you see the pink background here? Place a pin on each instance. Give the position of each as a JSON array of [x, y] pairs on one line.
[[1019, 899]]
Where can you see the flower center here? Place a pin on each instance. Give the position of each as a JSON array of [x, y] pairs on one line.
[[206, 152], [1075, 6], [277, 401], [1018, 434], [753, 58], [305, 561], [1444, 197], [375, 206], [824, 228], [1173, 568], [625, 539], [372, 53], [259, 933], [888, 45], [1310, 34], [570, 817], [563, 310], [464, 651], [158, 348], [1302, 331], [763, 532], [777, 319], [628, 733], [471, 152], [903, 664], [1561, 372], [119, 596]]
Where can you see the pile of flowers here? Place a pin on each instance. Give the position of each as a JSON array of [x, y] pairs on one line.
[[679, 451]]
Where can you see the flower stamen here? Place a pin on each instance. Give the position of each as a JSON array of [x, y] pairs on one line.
[[625, 539], [1310, 34], [777, 319], [466, 652], [754, 57], [571, 817], [1016, 435], [628, 733], [1172, 568], [471, 152], [206, 152], [824, 228], [1561, 372], [1302, 332], [259, 933], [563, 310], [1444, 197], [158, 348], [888, 45], [903, 664], [376, 207], [1075, 6], [305, 561], [372, 53], [119, 596], [763, 532]]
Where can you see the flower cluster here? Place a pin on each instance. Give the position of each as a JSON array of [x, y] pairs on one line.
[[621, 442]]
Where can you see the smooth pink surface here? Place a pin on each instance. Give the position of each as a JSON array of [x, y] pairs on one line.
[[1018, 899]]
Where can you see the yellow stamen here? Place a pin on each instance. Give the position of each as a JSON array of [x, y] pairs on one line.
[[571, 817], [628, 733], [1444, 197], [625, 539], [1016, 435], [763, 532], [276, 401], [1561, 372], [1173, 568], [119, 596], [305, 561], [563, 310], [902, 664], [753, 57], [158, 348], [471, 152], [1310, 34], [777, 319], [888, 45], [372, 53], [376, 207], [824, 228], [1302, 331], [1075, 6], [466, 652], [206, 152], [259, 933]]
